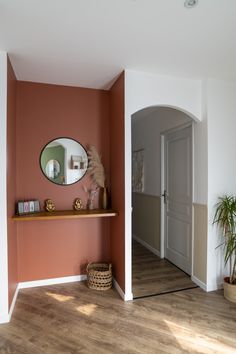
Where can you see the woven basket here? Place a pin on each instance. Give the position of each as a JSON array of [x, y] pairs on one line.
[[99, 276]]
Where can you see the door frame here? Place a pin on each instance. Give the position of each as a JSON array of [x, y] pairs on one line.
[[162, 216]]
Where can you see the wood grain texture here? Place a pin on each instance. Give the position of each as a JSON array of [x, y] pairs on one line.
[[66, 214], [153, 275], [70, 319]]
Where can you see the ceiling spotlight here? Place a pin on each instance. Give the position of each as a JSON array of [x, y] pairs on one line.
[[189, 4]]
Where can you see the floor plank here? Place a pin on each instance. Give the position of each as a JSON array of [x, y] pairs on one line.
[[153, 275], [70, 318]]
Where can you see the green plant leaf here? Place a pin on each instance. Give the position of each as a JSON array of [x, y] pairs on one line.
[[225, 219]]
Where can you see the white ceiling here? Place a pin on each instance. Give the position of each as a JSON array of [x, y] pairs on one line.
[[89, 42]]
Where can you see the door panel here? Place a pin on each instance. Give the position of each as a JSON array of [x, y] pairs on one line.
[[178, 207], [178, 245]]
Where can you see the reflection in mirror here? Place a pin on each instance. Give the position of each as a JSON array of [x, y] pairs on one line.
[[64, 161], [52, 169]]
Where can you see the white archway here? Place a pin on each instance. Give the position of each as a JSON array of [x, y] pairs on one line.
[[147, 111]]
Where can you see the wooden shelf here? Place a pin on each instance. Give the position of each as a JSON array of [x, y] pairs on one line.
[[66, 214]]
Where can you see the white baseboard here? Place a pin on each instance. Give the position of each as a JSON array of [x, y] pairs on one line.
[[125, 297], [13, 301], [199, 283], [207, 287], [145, 244], [52, 281], [214, 286]]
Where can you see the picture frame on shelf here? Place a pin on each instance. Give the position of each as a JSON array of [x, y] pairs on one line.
[[27, 207]]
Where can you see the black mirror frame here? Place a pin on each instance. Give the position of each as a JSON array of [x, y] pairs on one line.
[[59, 184]]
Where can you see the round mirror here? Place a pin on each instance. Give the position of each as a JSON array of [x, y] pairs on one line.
[[64, 161]]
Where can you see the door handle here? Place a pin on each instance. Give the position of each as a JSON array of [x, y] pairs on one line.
[[165, 196]]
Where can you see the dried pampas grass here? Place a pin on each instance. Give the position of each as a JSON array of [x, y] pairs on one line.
[[96, 168]]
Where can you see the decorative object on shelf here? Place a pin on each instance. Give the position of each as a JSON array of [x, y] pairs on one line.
[[92, 192], [49, 205], [225, 218], [28, 207], [97, 172], [99, 276], [104, 198], [77, 204], [64, 161]]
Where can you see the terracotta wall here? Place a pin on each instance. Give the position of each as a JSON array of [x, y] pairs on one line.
[[117, 179], [48, 249]]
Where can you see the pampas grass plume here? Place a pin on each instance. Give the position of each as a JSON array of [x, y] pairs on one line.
[[96, 168]]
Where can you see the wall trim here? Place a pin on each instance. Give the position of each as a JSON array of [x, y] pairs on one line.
[[125, 297], [13, 302], [214, 286], [7, 317], [52, 281], [199, 283], [127, 191], [200, 205], [146, 245], [69, 279], [4, 302]]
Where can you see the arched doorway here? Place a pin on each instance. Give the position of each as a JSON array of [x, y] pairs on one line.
[[151, 226]]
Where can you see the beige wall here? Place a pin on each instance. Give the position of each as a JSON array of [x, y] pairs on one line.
[[200, 242], [146, 219]]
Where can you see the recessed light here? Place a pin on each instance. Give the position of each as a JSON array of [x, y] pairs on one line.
[[189, 4]]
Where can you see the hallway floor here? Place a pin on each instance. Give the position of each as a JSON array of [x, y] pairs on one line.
[[153, 275]]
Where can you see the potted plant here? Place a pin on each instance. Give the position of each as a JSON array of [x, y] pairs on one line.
[[225, 218]]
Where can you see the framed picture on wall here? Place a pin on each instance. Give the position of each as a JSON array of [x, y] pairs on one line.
[[138, 170]]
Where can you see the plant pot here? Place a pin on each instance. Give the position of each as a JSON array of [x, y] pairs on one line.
[[229, 290]]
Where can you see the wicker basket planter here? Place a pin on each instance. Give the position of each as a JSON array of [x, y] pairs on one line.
[[99, 276]]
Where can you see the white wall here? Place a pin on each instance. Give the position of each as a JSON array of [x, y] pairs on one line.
[[146, 134], [3, 190], [146, 90], [221, 103], [201, 153]]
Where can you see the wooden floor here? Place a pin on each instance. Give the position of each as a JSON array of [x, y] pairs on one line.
[[153, 275], [70, 319]]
